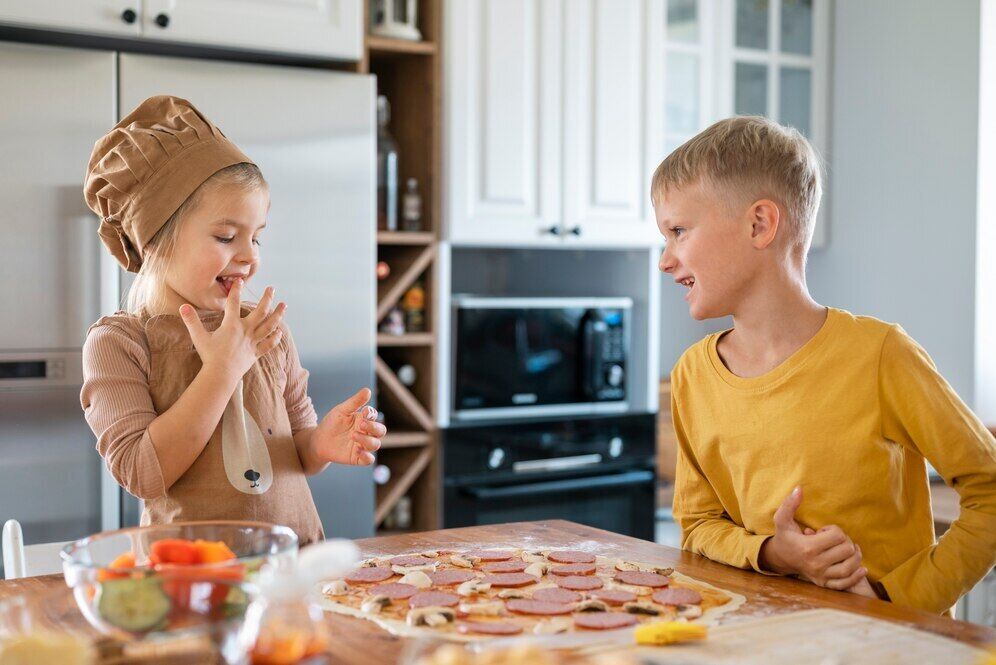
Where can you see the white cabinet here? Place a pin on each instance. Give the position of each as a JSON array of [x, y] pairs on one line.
[[319, 28], [323, 28], [111, 17], [546, 125]]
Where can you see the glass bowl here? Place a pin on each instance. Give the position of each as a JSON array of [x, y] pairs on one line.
[[152, 599]]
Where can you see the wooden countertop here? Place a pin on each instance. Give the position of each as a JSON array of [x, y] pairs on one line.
[[361, 642]]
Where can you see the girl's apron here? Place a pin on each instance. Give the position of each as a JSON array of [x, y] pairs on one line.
[[249, 469]]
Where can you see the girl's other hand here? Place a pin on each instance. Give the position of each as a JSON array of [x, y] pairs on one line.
[[349, 433], [234, 347]]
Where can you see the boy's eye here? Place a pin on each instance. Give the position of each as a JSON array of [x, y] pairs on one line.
[[224, 239], [677, 231], [256, 242]]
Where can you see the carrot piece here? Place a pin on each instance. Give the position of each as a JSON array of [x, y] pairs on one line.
[[173, 550], [126, 560], [213, 551]]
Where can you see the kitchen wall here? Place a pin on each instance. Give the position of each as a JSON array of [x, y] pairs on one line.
[[902, 165]]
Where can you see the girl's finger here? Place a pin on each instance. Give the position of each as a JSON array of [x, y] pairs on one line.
[[262, 309], [233, 305], [368, 443], [372, 428], [364, 459], [269, 343], [193, 322], [271, 322]]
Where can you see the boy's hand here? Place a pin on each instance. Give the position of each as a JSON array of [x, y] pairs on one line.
[[826, 557], [234, 347], [349, 433], [863, 588]]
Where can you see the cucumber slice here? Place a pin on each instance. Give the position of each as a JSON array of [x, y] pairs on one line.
[[135, 605]]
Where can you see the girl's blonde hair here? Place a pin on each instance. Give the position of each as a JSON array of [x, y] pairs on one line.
[[146, 296]]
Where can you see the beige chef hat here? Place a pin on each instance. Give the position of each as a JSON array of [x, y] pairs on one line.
[[147, 166]]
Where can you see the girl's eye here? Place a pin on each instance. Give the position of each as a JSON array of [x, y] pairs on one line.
[[224, 240], [256, 242]]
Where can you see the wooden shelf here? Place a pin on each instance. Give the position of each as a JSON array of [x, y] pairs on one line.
[[388, 46], [390, 290], [411, 404], [404, 238], [408, 339], [388, 495], [405, 440]]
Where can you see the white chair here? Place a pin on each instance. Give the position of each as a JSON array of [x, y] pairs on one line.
[[27, 561]]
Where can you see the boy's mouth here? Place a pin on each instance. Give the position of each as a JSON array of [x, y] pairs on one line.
[[689, 283]]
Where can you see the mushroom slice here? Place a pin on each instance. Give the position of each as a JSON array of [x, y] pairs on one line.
[[533, 557], [537, 570], [689, 611], [431, 616], [375, 604], [417, 579], [626, 565], [461, 562], [642, 608], [512, 593], [493, 608], [472, 588], [368, 563], [335, 588], [431, 554], [404, 570], [632, 588], [591, 606], [553, 626]]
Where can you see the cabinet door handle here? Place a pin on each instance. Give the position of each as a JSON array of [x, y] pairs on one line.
[[129, 16], [554, 230], [162, 20], [576, 231]]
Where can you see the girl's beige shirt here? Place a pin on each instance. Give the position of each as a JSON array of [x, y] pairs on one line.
[[135, 369]]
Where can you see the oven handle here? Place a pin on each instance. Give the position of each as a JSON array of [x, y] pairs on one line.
[[556, 463], [615, 480]]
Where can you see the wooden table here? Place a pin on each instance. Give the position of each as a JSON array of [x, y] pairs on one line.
[[359, 642]]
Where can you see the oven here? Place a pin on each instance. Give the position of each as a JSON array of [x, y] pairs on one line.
[[598, 471], [529, 357]]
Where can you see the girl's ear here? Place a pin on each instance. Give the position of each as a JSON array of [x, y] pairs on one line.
[[766, 219]]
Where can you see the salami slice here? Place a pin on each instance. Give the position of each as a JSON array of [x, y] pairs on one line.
[[613, 596], [411, 560], [505, 566], [510, 580], [579, 583], [538, 607], [677, 596], [604, 620], [555, 594], [571, 556], [449, 577], [394, 590], [641, 578], [489, 628], [491, 555], [369, 575], [573, 569], [433, 599]]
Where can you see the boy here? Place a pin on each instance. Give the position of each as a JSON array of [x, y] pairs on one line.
[[800, 395]]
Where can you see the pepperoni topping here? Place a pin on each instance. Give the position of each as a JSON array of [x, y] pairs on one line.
[[369, 575], [491, 555], [642, 578], [489, 628], [555, 594], [571, 556], [604, 620], [505, 567], [394, 590], [510, 579], [412, 560], [527, 606], [677, 596], [578, 583], [433, 599], [573, 569], [613, 596], [449, 577]]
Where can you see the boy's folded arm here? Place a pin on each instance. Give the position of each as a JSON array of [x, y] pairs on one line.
[[920, 410], [706, 528]]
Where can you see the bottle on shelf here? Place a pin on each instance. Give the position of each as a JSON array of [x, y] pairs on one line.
[[407, 375], [403, 513], [383, 270], [411, 207], [394, 322], [381, 474], [387, 169], [413, 304]]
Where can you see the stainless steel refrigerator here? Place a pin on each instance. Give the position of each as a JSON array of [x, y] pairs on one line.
[[312, 132]]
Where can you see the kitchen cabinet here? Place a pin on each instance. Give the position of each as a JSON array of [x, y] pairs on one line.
[[319, 28]]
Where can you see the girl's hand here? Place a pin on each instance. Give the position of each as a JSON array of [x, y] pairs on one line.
[[349, 433], [234, 347]]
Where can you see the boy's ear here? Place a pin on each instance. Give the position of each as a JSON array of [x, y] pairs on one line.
[[765, 218]]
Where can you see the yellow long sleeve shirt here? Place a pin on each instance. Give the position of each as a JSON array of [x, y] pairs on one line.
[[851, 417]]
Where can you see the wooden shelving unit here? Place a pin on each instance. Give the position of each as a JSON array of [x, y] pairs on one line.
[[409, 74]]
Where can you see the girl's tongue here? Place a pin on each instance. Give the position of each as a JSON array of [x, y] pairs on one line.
[[226, 284]]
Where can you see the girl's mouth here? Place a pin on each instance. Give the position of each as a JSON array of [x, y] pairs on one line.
[[226, 282]]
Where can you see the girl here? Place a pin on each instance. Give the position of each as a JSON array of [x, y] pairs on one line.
[[199, 403]]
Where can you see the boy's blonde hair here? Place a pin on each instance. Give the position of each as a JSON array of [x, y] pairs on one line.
[[748, 158]]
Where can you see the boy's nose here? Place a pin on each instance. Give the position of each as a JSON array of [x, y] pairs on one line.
[[667, 263]]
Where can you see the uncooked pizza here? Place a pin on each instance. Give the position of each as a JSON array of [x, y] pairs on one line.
[[486, 593]]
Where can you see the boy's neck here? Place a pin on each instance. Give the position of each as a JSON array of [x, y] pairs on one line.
[[770, 325]]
